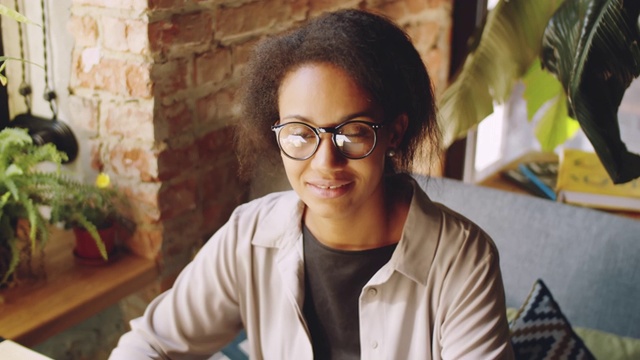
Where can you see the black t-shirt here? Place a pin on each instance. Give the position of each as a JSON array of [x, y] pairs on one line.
[[333, 283]]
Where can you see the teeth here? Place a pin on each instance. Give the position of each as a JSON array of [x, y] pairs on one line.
[[329, 187]]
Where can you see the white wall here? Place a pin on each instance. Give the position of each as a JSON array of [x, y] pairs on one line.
[[60, 45]]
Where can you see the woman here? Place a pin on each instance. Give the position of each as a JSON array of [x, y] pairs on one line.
[[356, 261]]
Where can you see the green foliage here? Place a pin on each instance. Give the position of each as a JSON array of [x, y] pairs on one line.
[[506, 49], [590, 47], [87, 206], [24, 189], [547, 100], [15, 15]]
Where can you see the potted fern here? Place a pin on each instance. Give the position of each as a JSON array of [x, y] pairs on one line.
[[24, 189], [90, 211]]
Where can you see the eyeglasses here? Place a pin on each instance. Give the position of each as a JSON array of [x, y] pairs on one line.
[[354, 139]]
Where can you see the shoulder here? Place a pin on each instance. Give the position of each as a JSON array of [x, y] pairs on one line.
[[456, 236], [268, 207], [265, 220]]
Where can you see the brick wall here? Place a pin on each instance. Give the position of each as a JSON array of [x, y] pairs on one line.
[[153, 83]]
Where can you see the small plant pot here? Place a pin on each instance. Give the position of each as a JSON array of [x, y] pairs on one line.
[[86, 250]]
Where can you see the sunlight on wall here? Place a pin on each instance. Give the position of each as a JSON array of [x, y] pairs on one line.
[[490, 138]]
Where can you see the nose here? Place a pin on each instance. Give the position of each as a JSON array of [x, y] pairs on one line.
[[327, 156]]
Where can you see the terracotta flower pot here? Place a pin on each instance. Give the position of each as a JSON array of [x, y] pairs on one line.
[[86, 248]]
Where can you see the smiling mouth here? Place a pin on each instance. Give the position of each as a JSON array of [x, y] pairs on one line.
[[332, 187]]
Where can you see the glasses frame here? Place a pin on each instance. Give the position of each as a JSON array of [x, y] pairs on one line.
[[329, 130]]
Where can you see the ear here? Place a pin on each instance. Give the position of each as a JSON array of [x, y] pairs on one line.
[[397, 129]]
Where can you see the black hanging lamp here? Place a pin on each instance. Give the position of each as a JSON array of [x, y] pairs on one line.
[[43, 130]]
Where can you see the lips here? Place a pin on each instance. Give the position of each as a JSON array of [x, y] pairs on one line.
[[331, 189], [323, 184]]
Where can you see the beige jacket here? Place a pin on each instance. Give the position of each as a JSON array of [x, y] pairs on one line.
[[439, 297]]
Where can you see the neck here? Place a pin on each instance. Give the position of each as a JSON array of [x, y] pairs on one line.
[[375, 226]]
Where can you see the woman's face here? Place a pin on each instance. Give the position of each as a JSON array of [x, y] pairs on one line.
[[331, 185]]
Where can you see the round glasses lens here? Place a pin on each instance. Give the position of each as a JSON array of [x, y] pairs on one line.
[[298, 141], [355, 140]]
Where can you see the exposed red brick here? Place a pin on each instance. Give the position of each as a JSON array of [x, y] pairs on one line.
[[84, 114], [142, 193], [166, 4], [133, 162], [137, 33], [130, 120], [181, 29], [206, 109], [212, 144], [138, 79], [320, 6], [95, 157], [170, 77], [146, 241], [177, 198], [114, 33], [256, 15], [115, 4], [173, 162], [240, 54], [222, 176], [173, 119], [226, 104], [85, 30], [108, 75], [212, 66], [425, 35], [396, 10]]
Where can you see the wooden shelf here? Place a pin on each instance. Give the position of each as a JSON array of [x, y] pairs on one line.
[[30, 313]]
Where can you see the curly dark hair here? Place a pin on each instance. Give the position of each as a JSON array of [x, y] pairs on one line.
[[370, 48]]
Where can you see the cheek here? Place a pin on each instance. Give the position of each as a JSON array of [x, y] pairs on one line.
[[292, 168]]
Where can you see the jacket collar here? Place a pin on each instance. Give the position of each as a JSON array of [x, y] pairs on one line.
[[421, 235], [281, 227]]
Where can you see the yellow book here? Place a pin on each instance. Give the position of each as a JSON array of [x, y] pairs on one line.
[[583, 180]]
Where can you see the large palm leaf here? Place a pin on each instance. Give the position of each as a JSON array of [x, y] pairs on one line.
[[507, 47], [592, 47]]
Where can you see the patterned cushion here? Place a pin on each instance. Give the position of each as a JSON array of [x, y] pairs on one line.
[[541, 331]]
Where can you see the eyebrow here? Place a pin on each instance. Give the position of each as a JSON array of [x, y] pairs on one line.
[[342, 120]]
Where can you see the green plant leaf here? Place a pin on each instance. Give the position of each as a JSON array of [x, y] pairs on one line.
[[509, 43], [540, 87], [555, 126], [5, 58], [16, 15], [546, 100], [592, 47], [93, 231], [13, 262]]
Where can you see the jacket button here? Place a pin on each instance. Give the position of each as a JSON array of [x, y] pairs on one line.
[[374, 344], [372, 291]]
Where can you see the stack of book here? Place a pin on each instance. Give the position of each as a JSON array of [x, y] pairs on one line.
[[579, 178], [537, 177]]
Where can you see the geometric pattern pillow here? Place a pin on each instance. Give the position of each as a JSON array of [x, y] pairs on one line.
[[541, 331]]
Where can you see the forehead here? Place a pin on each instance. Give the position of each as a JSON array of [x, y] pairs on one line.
[[323, 93]]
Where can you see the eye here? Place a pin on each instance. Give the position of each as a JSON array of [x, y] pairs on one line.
[[294, 140], [297, 130], [356, 130]]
